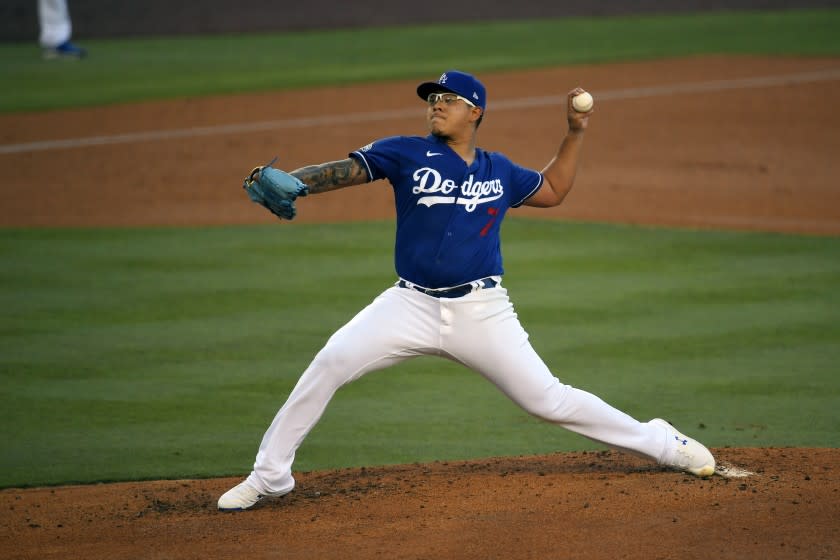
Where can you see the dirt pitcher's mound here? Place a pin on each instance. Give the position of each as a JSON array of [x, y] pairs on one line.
[[773, 503]]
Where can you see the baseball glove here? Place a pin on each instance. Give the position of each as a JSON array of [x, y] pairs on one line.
[[275, 189]]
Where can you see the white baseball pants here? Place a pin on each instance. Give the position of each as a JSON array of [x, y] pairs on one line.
[[55, 23], [481, 331]]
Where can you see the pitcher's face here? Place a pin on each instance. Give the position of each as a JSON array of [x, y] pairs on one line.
[[450, 114]]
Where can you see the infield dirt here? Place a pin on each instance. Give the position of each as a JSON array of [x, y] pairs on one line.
[[711, 142]]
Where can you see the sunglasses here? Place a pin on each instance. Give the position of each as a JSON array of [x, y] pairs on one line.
[[447, 98]]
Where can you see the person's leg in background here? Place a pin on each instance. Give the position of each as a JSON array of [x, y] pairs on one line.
[[56, 30]]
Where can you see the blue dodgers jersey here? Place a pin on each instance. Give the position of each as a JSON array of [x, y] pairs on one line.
[[448, 214]]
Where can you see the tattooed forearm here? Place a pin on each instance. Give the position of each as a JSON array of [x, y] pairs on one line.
[[332, 175]]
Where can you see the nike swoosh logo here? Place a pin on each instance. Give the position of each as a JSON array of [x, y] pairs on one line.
[[430, 154]]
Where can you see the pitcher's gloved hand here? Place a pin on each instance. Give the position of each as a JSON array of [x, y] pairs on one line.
[[275, 189]]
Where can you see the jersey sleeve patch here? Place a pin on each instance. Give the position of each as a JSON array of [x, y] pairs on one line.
[[381, 158]]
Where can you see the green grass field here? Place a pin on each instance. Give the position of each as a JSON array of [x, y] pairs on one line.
[[130, 70], [164, 353], [129, 354]]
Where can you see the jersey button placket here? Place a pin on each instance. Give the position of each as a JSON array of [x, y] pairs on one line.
[[455, 216]]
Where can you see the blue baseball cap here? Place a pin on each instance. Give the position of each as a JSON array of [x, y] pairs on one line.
[[461, 83]]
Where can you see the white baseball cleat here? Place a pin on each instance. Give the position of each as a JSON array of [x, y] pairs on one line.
[[686, 454], [243, 496]]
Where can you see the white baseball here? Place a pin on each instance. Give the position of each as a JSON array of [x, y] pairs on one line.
[[583, 102]]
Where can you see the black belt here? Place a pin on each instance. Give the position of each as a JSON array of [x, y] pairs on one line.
[[454, 292]]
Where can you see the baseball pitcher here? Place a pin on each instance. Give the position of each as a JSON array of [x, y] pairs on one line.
[[448, 299]]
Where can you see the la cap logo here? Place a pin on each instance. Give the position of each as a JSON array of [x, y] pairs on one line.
[[442, 79]]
